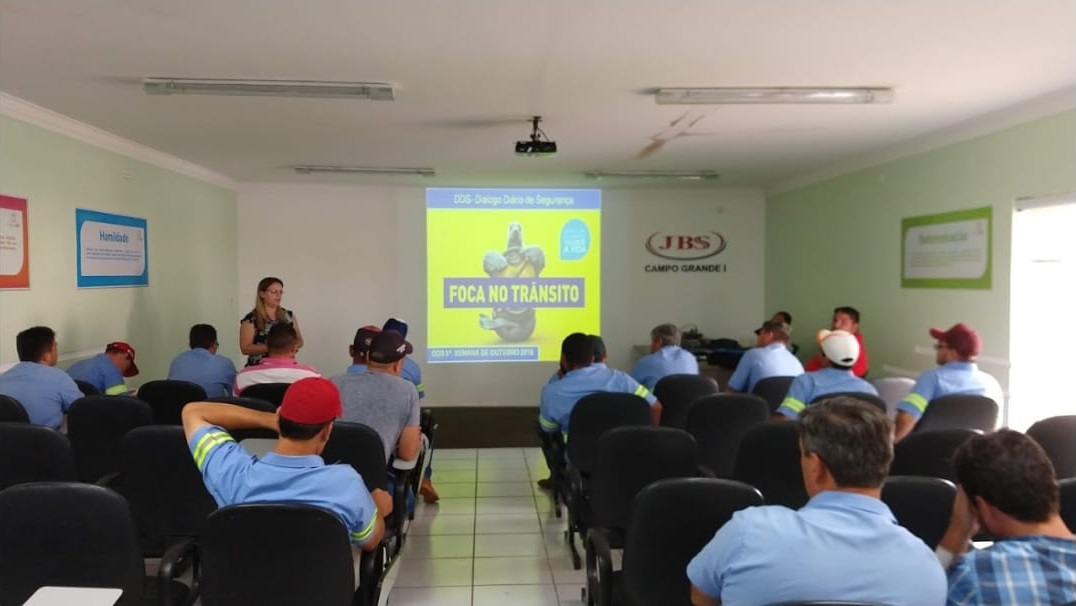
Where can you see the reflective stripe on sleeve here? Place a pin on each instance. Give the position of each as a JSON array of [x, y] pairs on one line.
[[365, 533], [642, 391], [207, 443], [547, 424], [794, 405], [916, 400], [116, 390]]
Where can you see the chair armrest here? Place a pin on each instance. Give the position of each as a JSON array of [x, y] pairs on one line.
[[599, 567], [108, 479], [703, 471], [405, 465], [174, 562]]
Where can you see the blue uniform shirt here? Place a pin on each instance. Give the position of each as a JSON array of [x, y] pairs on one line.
[[215, 374], [556, 375], [100, 372], [808, 386], [840, 546], [946, 380], [773, 360], [669, 360], [413, 373], [234, 476], [560, 397], [44, 391]]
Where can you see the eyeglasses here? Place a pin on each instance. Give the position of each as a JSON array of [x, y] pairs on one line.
[[275, 292], [940, 346]]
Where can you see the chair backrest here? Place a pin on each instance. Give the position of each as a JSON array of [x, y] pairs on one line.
[[959, 411], [677, 392], [866, 398], [360, 447], [929, 453], [769, 460], [595, 414], [95, 426], [1057, 436], [11, 411], [276, 554], [270, 392], [245, 402], [921, 505], [892, 390], [167, 399], [67, 534], [1068, 502], [87, 388], [672, 521], [160, 481], [773, 390], [718, 424], [31, 453]]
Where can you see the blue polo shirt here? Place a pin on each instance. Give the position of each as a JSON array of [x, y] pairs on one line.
[[669, 360], [100, 372], [556, 375], [234, 476], [44, 391], [560, 397], [773, 360], [810, 385], [215, 374], [840, 546], [946, 380], [413, 373]]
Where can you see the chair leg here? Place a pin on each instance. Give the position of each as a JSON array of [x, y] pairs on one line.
[[577, 561]]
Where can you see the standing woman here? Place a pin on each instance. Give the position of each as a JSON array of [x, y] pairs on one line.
[[267, 312]]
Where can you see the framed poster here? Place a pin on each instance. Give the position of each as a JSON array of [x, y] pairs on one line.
[[112, 250], [947, 250], [14, 243]]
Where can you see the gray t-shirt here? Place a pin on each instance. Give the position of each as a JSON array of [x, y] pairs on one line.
[[385, 402]]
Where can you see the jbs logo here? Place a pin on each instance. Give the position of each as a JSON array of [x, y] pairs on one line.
[[685, 246]]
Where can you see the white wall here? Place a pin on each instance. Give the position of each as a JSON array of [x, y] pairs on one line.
[[354, 255]]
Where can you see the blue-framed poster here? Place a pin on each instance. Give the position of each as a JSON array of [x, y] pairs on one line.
[[112, 250]]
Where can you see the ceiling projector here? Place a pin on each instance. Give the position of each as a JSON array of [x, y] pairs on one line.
[[538, 145]]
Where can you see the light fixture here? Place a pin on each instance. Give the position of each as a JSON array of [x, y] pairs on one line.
[[309, 169], [684, 175], [773, 95], [374, 91]]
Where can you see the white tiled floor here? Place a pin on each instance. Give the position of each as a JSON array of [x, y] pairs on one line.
[[492, 539]]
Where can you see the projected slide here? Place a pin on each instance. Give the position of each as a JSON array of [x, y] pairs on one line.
[[510, 272]]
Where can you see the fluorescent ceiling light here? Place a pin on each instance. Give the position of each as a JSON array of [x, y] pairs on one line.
[[374, 91], [772, 95], [309, 169], [686, 175]]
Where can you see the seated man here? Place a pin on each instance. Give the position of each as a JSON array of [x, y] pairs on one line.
[[279, 364], [840, 350], [956, 373], [1008, 488], [201, 365], [45, 391], [844, 544], [666, 357], [600, 355], [106, 371], [783, 317], [846, 319], [769, 358]]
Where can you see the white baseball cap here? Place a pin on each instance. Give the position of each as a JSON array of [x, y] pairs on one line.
[[840, 346]]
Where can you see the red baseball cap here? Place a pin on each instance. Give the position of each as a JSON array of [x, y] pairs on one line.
[[961, 339], [311, 401], [124, 348]]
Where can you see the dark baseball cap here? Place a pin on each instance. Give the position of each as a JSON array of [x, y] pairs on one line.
[[388, 346], [363, 337], [779, 328], [961, 339], [396, 324]]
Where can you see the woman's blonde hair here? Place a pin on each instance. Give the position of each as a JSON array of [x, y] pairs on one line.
[[259, 305]]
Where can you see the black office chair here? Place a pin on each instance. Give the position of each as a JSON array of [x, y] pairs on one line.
[[629, 459], [95, 426], [553, 452], [1068, 502], [921, 505], [929, 453], [592, 416], [31, 453], [960, 411], [253, 404], [769, 460], [270, 392], [719, 423], [1057, 436], [87, 389], [167, 399], [78, 535], [773, 390], [866, 398], [12, 411], [677, 392], [671, 522]]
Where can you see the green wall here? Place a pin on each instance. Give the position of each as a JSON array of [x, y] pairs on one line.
[[838, 242], [192, 250]]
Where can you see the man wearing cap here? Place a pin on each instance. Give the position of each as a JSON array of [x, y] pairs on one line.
[[846, 319], [769, 358], [666, 357], [957, 373], [106, 371], [202, 365], [45, 392], [279, 364], [410, 371], [294, 471], [840, 350]]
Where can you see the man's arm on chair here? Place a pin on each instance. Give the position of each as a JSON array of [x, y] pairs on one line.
[[197, 415]]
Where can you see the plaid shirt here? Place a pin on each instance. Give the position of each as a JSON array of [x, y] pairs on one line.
[[1021, 571]]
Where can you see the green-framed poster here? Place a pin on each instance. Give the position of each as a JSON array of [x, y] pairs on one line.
[[947, 250]]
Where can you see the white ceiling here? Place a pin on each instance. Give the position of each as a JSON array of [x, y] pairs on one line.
[[582, 64]]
